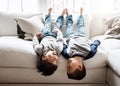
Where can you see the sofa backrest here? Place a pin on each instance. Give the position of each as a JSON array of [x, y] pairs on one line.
[[95, 25], [8, 25], [99, 23]]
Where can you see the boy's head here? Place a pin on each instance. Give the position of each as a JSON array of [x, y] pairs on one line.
[[47, 64], [75, 68]]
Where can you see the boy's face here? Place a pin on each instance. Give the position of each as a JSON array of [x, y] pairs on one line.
[[73, 64], [51, 57]]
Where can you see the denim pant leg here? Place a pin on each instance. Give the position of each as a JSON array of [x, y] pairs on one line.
[[80, 25], [59, 22], [47, 27], [69, 25]]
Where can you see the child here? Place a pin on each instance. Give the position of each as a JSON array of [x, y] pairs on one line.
[[77, 48], [48, 44]]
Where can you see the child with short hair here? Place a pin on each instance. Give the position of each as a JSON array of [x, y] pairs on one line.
[[48, 44], [78, 48]]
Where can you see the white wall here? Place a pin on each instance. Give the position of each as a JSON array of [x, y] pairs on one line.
[[35, 6], [23, 6]]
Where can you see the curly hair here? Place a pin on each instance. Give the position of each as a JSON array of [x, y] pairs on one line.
[[45, 67], [77, 74]]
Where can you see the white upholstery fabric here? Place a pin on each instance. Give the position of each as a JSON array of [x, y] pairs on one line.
[[98, 61], [97, 26], [52, 84], [26, 75], [98, 23], [114, 60], [18, 59], [7, 25], [15, 52], [108, 44], [112, 78]]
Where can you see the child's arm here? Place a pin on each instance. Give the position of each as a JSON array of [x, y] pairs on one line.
[[64, 51], [59, 39], [36, 46], [93, 48]]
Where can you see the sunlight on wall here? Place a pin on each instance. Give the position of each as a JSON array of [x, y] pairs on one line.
[[72, 5], [32, 6], [101, 6], [15, 6], [90, 6], [117, 4], [3, 5], [20, 6]]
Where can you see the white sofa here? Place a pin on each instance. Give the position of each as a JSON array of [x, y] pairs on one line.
[[109, 45], [18, 61]]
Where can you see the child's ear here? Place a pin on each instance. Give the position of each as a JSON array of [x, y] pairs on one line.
[[43, 57]]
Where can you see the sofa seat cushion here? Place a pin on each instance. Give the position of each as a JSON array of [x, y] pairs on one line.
[[15, 52], [99, 60], [8, 26], [108, 44], [114, 60]]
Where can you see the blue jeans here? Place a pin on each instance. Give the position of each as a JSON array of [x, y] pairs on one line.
[[47, 29], [70, 28]]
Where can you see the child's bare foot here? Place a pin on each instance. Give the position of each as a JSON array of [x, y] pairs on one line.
[[81, 11], [63, 12], [49, 10], [66, 11]]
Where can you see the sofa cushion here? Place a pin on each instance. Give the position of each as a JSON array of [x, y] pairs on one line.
[[7, 25], [107, 44], [15, 52], [99, 60], [113, 60], [102, 22], [29, 26], [97, 26]]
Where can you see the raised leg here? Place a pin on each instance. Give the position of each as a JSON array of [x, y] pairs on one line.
[[47, 27], [80, 23], [69, 24], [60, 20]]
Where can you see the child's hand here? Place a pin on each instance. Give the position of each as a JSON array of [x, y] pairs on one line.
[[39, 34]]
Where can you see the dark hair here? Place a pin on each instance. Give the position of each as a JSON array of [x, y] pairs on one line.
[[77, 74], [46, 67]]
